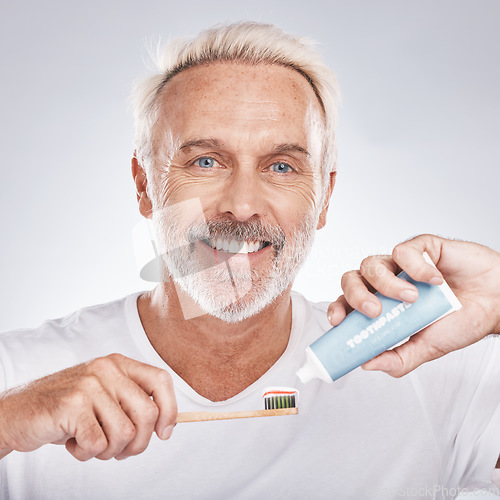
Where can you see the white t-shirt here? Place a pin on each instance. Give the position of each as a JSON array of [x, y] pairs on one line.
[[365, 436]]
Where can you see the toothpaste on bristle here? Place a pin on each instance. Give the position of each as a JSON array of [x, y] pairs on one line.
[[280, 397]]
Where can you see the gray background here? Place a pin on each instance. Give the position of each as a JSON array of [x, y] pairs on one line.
[[418, 135]]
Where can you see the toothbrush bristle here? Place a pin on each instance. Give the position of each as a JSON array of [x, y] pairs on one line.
[[280, 397]]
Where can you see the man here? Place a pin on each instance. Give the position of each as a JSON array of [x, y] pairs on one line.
[[235, 166]]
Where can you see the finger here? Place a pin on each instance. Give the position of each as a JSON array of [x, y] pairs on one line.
[[158, 384], [116, 425], [405, 358], [99, 427], [89, 439], [409, 256], [338, 310], [380, 272], [358, 296], [142, 411]]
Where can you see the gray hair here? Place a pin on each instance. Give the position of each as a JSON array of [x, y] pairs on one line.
[[248, 42]]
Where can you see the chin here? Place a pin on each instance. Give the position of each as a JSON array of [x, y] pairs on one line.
[[235, 313], [223, 303]]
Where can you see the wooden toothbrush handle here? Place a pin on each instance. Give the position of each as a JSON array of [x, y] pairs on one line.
[[203, 416]]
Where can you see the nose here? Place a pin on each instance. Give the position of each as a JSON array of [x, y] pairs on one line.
[[243, 195]]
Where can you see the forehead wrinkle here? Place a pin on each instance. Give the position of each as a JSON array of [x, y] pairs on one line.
[[256, 110], [244, 111]]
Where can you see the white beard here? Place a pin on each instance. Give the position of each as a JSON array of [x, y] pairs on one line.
[[231, 291]]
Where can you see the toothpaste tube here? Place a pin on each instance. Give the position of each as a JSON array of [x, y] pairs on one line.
[[360, 338]]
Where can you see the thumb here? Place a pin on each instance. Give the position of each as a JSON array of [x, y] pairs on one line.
[[338, 310]]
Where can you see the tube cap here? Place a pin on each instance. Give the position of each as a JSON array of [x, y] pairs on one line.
[[306, 373]]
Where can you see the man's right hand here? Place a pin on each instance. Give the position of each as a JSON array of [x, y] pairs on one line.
[[100, 409]]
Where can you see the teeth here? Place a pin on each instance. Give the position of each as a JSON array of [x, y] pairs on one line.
[[235, 246]]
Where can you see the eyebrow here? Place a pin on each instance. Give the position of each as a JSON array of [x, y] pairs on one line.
[[214, 143], [201, 143], [286, 147]]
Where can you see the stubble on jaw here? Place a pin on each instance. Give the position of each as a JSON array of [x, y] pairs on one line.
[[231, 291]]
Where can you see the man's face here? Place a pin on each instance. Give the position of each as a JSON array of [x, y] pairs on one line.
[[243, 143]]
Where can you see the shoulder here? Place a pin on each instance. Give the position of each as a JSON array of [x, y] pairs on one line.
[[460, 394], [462, 386], [74, 324], [58, 343]]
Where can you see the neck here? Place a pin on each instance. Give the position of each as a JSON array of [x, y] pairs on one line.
[[217, 359]]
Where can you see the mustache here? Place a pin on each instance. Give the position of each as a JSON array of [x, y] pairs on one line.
[[252, 230]]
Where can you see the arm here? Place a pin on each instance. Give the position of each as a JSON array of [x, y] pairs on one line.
[[108, 407], [471, 270]]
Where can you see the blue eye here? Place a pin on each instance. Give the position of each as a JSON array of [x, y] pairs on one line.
[[281, 168], [205, 162]]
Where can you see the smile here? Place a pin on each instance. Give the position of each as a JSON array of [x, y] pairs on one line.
[[235, 246]]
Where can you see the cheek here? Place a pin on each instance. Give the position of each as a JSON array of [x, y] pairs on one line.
[[172, 186], [302, 195], [291, 205]]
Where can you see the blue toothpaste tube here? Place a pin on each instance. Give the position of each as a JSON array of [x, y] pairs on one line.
[[360, 338]]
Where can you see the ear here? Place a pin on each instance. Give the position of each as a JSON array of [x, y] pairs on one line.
[[324, 210], [141, 183]]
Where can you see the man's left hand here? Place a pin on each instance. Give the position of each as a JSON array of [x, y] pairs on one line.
[[471, 270]]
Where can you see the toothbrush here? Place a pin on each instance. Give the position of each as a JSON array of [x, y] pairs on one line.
[[277, 401]]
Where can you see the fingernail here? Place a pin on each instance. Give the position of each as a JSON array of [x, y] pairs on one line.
[[436, 280], [367, 367], [370, 309], [330, 317], [167, 432], [409, 295]]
